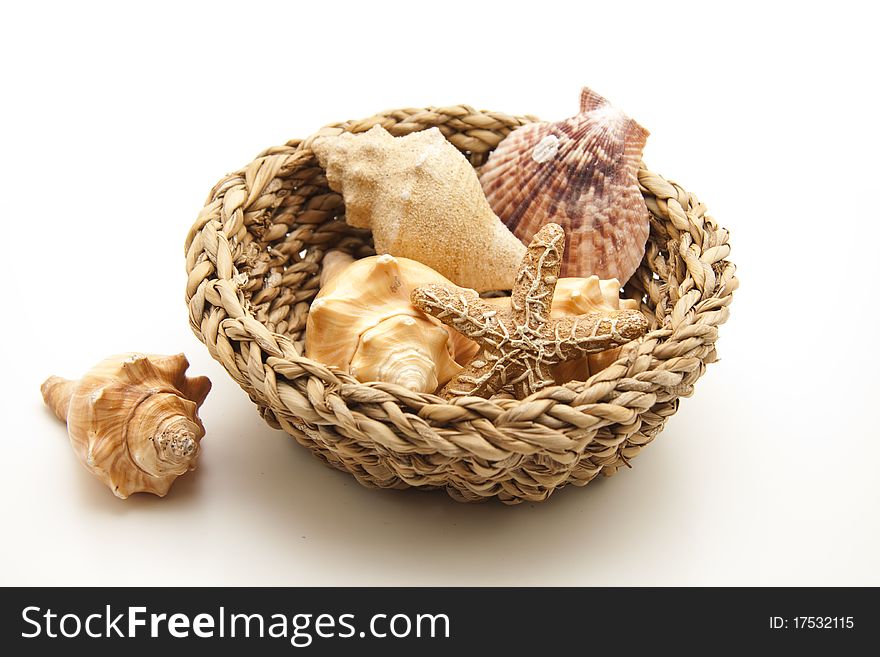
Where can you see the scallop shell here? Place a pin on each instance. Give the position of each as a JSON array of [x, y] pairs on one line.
[[582, 174], [363, 322]]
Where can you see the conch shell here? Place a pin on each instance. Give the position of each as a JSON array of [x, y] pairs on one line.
[[423, 201], [580, 173], [133, 420], [363, 322], [580, 296]]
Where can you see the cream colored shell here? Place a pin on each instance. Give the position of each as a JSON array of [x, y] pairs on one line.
[[133, 420], [362, 321], [422, 200]]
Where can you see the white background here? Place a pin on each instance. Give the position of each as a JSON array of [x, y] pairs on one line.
[[115, 122]]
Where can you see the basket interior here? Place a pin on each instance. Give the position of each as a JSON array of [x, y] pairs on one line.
[[299, 218]]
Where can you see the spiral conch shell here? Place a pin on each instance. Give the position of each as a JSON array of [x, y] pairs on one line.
[[363, 322], [133, 420], [422, 200], [580, 173]]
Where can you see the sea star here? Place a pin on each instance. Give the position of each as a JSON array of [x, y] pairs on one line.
[[519, 345]]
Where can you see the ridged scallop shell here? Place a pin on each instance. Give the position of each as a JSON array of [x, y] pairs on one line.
[[582, 174], [363, 322]]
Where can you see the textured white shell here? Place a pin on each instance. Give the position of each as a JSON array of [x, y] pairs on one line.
[[422, 200], [582, 174], [363, 322]]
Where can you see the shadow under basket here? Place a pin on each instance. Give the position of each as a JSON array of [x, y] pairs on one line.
[[254, 259]]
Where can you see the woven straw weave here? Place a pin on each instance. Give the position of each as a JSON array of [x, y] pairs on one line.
[[253, 258]]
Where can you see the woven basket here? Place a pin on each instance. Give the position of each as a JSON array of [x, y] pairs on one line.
[[254, 258]]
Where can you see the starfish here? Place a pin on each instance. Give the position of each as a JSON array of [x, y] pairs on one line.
[[519, 345]]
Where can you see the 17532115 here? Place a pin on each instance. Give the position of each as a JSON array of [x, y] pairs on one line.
[[812, 623]]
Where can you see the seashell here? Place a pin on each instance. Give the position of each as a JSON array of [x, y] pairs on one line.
[[332, 263], [405, 350], [423, 201], [576, 296], [582, 174], [133, 420], [363, 322]]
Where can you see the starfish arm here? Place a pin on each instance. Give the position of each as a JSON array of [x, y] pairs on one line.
[[463, 310], [483, 376], [532, 292], [535, 377], [572, 337]]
